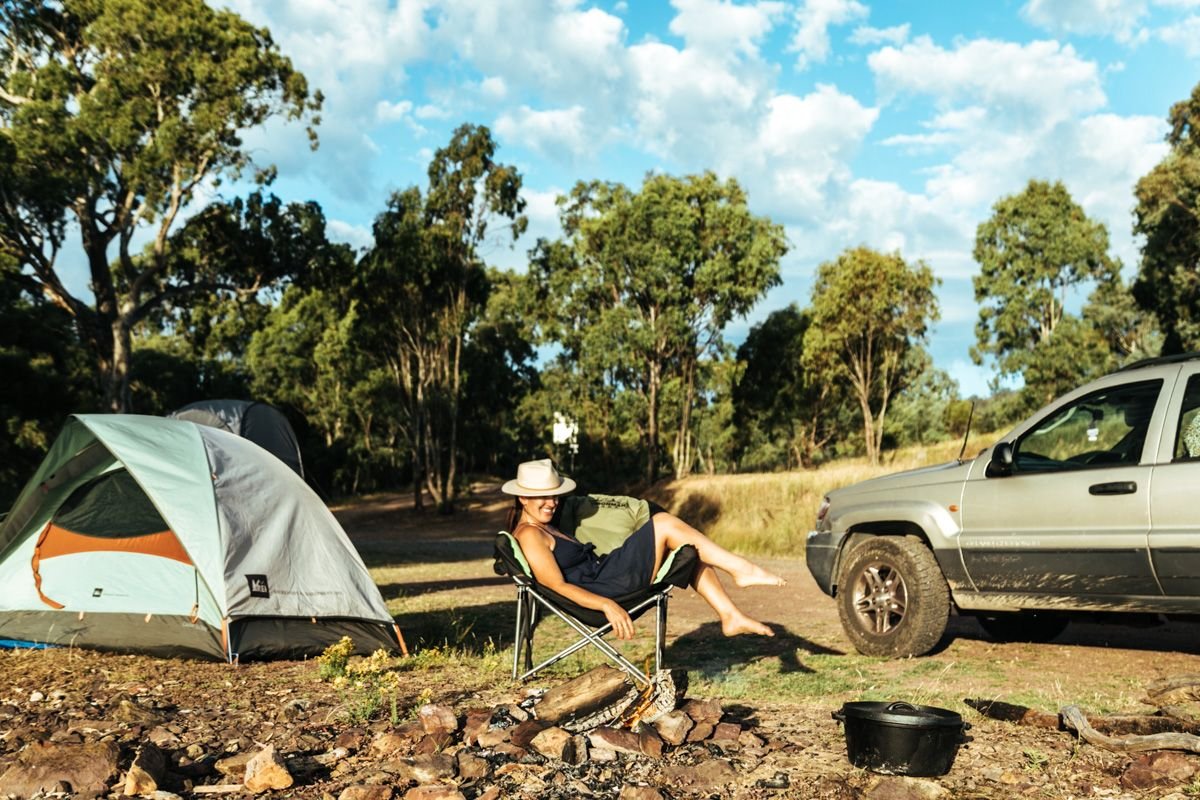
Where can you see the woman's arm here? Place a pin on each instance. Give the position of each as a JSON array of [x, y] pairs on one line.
[[536, 546]]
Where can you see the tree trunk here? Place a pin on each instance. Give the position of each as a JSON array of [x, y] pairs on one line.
[[653, 381], [683, 443]]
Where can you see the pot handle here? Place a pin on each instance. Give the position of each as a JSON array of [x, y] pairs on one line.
[[900, 705], [838, 715]]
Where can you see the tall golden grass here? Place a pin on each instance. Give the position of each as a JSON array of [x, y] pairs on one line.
[[770, 513]]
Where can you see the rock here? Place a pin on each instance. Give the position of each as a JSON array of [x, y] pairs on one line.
[[493, 737], [351, 739], [234, 766], [146, 771], [650, 742], [490, 793], [516, 712], [476, 722], [36, 697], [601, 754], [554, 743], [471, 767], [522, 734], [700, 731], [195, 752], [898, 788], [703, 710], [293, 709], [266, 770], [390, 743], [673, 727], [164, 738], [434, 793], [361, 792], [437, 719], [707, 775], [639, 793], [433, 743], [726, 733], [433, 768], [620, 740], [41, 767], [331, 757], [1159, 768], [131, 712]]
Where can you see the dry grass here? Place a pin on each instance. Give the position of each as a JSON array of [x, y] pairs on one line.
[[769, 514]]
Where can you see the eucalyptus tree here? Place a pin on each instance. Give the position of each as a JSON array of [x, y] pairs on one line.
[[1167, 215], [424, 283], [646, 282], [1035, 249], [869, 310], [113, 115]]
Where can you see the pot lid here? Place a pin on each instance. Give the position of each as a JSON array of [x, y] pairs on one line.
[[901, 713]]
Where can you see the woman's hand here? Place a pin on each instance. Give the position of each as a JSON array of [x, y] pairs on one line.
[[620, 620]]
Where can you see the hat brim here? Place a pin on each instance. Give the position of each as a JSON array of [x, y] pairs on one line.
[[512, 487]]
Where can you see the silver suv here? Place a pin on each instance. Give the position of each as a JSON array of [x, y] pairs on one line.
[[1092, 504]]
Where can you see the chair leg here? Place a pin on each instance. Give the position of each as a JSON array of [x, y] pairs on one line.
[[660, 630], [520, 637]]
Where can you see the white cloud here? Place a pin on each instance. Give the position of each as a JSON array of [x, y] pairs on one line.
[[866, 35], [494, 87], [720, 27], [559, 133], [1036, 84], [1184, 34], [813, 20], [357, 236], [1117, 18], [393, 112]]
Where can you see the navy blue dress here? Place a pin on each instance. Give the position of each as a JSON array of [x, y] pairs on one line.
[[620, 572]]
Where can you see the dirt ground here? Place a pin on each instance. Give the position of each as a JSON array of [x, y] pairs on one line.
[[436, 573]]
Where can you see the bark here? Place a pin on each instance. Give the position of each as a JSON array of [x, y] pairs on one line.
[[590, 692]]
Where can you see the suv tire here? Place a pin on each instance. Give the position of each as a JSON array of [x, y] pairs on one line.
[[892, 598], [1023, 627]]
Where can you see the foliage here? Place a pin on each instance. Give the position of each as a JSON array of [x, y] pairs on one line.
[[364, 685], [423, 286], [1167, 215], [46, 377], [1034, 250], [643, 286], [869, 311], [784, 413], [926, 411], [112, 115]]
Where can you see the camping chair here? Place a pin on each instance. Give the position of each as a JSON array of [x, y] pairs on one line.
[[592, 626]]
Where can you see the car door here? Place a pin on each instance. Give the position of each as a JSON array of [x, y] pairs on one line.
[[1072, 517], [1175, 534]]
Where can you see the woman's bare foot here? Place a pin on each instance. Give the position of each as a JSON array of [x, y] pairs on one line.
[[738, 623], [757, 576]]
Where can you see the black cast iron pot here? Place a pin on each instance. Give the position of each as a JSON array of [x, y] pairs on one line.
[[901, 738]]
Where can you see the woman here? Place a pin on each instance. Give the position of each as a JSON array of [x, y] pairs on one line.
[[569, 567]]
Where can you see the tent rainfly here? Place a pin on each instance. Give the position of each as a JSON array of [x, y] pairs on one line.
[[161, 536], [261, 423]]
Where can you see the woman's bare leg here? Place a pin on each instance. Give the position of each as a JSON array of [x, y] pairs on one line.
[[733, 621], [671, 532]]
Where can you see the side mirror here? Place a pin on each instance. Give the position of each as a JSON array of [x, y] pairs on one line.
[[1002, 461]]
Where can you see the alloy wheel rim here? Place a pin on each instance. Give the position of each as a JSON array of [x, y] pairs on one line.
[[880, 597]]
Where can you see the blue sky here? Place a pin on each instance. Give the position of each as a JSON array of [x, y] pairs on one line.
[[896, 124]]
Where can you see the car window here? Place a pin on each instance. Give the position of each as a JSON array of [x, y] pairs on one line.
[[1187, 440], [1101, 429]]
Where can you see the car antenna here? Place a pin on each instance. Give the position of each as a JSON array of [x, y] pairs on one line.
[[967, 433]]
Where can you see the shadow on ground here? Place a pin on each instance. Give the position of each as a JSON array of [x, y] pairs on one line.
[[708, 651]]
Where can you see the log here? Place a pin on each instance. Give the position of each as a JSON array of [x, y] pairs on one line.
[[1174, 690], [1074, 719], [590, 692], [219, 788], [1112, 724]]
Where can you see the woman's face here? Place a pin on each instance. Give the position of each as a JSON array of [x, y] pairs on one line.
[[539, 509]]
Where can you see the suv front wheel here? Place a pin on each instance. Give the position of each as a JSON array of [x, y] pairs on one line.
[[892, 598]]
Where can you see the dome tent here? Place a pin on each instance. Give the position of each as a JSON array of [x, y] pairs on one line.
[[154, 535], [261, 423]]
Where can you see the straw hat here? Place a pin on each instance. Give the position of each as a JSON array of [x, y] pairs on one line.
[[538, 479]]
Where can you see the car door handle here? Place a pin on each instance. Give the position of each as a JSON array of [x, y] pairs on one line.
[[1117, 487]]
